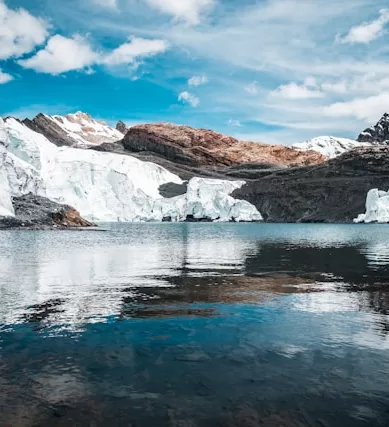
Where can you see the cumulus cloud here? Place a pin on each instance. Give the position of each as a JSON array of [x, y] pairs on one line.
[[5, 77], [368, 31], [252, 88], [20, 32], [367, 109], [110, 4], [135, 49], [295, 91], [189, 98], [184, 10], [61, 55], [234, 123], [197, 80]]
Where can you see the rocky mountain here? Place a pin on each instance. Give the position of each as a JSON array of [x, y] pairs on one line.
[[74, 130], [378, 134], [202, 147], [329, 146], [334, 191]]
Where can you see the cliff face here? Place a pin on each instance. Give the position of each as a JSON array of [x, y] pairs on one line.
[[332, 192], [201, 147]]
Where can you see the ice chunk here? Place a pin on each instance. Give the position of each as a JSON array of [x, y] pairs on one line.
[[377, 208]]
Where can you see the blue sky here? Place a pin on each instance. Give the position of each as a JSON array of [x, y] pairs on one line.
[[266, 70]]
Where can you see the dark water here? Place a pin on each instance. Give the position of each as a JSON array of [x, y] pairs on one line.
[[192, 325]]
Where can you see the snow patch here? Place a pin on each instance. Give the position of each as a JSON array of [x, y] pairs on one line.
[[329, 146], [377, 208], [86, 130]]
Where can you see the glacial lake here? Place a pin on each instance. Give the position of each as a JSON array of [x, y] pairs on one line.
[[195, 325]]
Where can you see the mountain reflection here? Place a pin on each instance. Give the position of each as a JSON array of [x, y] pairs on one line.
[[145, 270]]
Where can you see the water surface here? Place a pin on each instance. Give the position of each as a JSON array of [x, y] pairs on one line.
[[195, 325]]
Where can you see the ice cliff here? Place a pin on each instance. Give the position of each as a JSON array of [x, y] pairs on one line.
[[377, 208], [106, 186]]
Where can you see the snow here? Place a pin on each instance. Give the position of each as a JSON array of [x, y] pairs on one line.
[[106, 186], [86, 130], [6, 208], [207, 198], [377, 208], [329, 146]]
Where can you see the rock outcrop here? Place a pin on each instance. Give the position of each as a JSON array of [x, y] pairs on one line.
[[201, 147], [331, 192], [121, 127], [378, 134], [32, 211], [74, 130]]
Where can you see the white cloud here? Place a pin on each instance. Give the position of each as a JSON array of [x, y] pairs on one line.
[[20, 32], [135, 49], [61, 55], [367, 109], [197, 80], [337, 87], [234, 123], [185, 10], [368, 31], [110, 4], [295, 91], [5, 77], [252, 88], [189, 98]]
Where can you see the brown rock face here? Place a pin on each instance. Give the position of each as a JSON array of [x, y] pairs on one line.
[[201, 147]]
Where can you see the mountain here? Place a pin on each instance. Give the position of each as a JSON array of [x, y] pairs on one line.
[[74, 130], [334, 191], [329, 146], [201, 147], [378, 134], [107, 186]]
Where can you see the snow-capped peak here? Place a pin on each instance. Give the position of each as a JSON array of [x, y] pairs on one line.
[[377, 134], [85, 130], [329, 146]]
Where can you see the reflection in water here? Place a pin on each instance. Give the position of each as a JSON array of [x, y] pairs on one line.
[[195, 325]]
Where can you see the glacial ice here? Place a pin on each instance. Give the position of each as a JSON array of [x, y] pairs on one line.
[[6, 208], [207, 198], [107, 186], [377, 208]]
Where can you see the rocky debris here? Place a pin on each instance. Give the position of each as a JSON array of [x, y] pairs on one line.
[[201, 147], [378, 134], [121, 127], [331, 192], [51, 130], [33, 211]]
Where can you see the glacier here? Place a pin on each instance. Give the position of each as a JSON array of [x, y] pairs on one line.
[[107, 187], [377, 208]]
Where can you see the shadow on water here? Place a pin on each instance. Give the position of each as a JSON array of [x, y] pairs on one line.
[[196, 325]]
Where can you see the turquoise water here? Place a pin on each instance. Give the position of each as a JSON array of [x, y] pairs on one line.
[[195, 325]]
